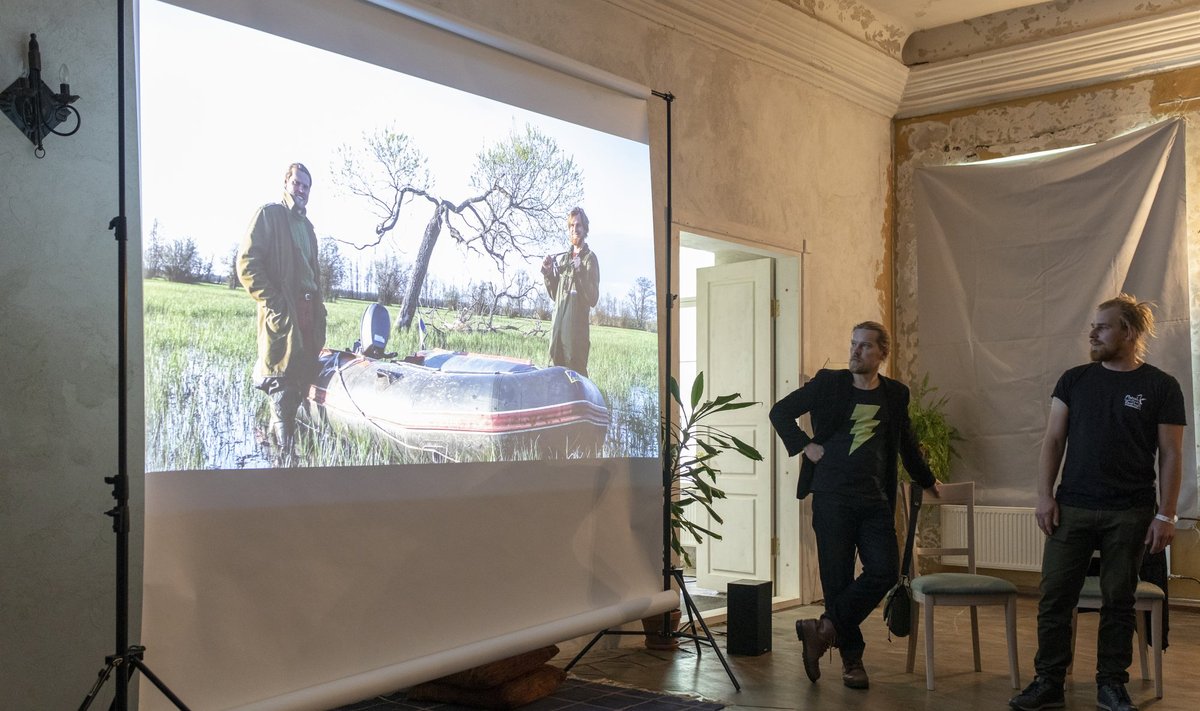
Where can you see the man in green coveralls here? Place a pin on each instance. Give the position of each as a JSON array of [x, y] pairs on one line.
[[277, 264], [573, 281]]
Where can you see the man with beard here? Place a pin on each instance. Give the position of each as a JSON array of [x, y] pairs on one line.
[[277, 264], [1116, 412], [860, 424]]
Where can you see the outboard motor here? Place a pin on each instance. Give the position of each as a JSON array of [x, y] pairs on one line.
[[373, 334]]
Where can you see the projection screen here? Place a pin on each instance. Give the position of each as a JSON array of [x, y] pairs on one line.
[[412, 534]]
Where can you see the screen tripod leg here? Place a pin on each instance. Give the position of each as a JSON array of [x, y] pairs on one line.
[[126, 664], [708, 636]]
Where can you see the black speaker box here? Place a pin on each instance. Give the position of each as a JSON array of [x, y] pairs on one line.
[[749, 620]]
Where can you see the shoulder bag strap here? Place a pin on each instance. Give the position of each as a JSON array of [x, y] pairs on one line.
[[915, 494]]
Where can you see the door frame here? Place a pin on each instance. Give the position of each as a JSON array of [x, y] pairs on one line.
[[794, 564]]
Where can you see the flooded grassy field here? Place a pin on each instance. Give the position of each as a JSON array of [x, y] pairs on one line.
[[202, 411]]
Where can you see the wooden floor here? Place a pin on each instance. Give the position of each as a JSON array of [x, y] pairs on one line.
[[776, 680]]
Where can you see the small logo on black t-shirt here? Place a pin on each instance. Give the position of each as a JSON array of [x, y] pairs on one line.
[[1135, 401]]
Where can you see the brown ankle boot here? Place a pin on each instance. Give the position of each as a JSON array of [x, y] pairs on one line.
[[816, 637], [854, 675]]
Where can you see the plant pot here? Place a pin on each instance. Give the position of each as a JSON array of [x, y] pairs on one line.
[[655, 639]]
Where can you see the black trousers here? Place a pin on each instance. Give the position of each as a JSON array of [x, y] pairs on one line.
[[846, 527]]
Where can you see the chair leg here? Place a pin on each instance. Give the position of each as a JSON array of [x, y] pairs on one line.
[[929, 605], [1010, 624], [915, 616], [975, 636], [1074, 630], [1139, 626], [1156, 614]]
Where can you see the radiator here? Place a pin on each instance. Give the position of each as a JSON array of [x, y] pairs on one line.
[[1006, 538]]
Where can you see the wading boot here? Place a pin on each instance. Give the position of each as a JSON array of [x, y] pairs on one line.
[[283, 444], [816, 638], [854, 675]]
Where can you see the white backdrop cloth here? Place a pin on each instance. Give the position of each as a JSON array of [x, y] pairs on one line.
[[1013, 258]]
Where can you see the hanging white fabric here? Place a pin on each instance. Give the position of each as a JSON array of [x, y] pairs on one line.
[[1012, 259]]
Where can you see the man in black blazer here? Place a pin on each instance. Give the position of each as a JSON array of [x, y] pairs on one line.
[[860, 425]]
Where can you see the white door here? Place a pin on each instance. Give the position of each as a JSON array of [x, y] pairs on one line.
[[734, 348]]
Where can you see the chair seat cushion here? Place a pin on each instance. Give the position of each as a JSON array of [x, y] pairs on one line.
[[1091, 589], [961, 584]]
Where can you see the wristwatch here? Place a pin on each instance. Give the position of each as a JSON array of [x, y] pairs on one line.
[[1167, 519]]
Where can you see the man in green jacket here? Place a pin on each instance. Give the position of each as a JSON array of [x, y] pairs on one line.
[[277, 264], [573, 280]]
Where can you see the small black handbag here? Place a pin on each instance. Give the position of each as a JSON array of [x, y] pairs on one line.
[[897, 605]]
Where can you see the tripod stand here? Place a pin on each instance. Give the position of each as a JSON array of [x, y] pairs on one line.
[[127, 658], [694, 617], [670, 573]]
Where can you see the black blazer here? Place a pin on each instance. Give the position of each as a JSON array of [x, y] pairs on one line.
[[828, 399]]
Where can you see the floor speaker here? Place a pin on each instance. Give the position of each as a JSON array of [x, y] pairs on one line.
[[749, 617]]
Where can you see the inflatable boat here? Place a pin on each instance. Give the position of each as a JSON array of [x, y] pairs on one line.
[[457, 403]]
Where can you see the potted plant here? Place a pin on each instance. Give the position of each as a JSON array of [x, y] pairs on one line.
[[691, 446], [936, 437], [935, 434]]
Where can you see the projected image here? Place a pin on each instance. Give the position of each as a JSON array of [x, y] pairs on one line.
[[347, 265]]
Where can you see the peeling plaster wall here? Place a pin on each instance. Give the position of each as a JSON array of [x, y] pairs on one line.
[[759, 155], [1058, 120], [863, 23], [1029, 24]]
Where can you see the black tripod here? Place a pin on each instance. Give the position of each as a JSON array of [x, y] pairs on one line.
[[670, 573], [687, 631], [127, 658]]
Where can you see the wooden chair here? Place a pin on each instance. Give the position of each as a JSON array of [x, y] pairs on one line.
[[959, 589], [1148, 598]]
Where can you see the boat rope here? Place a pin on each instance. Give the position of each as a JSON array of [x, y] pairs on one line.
[[436, 451]]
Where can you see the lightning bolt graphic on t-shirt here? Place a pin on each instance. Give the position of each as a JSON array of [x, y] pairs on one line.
[[864, 424]]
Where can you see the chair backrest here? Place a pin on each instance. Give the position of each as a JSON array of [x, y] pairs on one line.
[[962, 494]]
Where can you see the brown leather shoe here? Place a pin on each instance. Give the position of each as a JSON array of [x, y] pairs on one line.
[[854, 675], [816, 637]]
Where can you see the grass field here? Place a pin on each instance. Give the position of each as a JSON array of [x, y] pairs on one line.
[[202, 411]]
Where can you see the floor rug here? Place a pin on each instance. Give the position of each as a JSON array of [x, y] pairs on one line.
[[573, 695]]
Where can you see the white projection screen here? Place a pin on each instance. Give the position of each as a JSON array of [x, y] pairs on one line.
[[386, 554]]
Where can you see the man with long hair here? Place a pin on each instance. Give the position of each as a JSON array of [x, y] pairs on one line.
[[1117, 413]]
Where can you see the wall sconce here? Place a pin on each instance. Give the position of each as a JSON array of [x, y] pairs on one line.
[[34, 108]]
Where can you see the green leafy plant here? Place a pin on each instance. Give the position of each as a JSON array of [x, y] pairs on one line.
[[691, 447], [934, 432]]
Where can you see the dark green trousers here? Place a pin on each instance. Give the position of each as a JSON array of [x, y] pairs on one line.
[[1120, 538]]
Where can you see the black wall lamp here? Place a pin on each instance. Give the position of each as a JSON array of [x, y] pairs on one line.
[[34, 108]]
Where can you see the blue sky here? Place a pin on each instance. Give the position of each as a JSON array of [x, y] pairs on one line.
[[224, 109]]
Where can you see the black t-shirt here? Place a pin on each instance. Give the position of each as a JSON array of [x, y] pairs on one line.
[[854, 461], [1112, 433]]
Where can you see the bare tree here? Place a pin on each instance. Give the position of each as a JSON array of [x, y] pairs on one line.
[[152, 253], [232, 280], [641, 301], [524, 186], [332, 266], [391, 277]]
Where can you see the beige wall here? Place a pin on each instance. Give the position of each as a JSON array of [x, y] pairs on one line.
[[1058, 120], [58, 420], [760, 155]]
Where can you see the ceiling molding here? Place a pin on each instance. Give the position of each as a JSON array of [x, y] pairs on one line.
[[1120, 51], [789, 41]]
